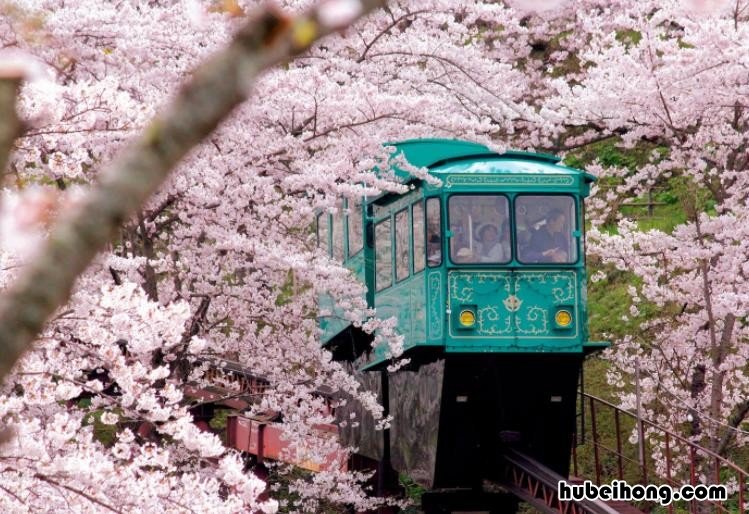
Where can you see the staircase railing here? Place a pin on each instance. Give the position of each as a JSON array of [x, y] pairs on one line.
[[680, 462]]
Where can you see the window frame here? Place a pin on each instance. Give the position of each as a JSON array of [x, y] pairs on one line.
[[441, 231], [317, 231], [358, 213], [420, 203], [338, 219], [510, 223], [406, 211], [389, 220], [575, 240]]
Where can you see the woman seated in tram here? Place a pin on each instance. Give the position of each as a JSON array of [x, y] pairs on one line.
[[493, 245]]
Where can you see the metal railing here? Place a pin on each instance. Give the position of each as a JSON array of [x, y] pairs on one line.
[[682, 460]]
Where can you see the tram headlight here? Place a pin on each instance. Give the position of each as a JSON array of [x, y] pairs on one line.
[[467, 318], [563, 318]]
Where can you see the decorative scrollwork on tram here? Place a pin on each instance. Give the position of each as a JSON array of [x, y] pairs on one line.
[[535, 322], [508, 180], [435, 302], [489, 322], [566, 292], [461, 287]]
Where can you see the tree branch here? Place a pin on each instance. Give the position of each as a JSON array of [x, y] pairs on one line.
[[77, 491], [386, 30], [215, 89], [10, 127], [734, 420]]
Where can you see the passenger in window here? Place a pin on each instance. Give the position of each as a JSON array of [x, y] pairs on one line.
[[523, 236], [549, 243], [464, 255], [434, 246], [490, 246]]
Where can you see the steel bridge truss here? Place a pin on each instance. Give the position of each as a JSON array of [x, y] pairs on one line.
[[538, 486]]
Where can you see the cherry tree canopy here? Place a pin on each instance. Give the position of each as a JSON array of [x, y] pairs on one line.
[[670, 80], [221, 263]]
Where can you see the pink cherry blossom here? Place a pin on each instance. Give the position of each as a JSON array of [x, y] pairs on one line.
[[222, 264]]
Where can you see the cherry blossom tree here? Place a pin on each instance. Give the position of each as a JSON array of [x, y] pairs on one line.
[[668, 80], [120, 336], [220, 263]]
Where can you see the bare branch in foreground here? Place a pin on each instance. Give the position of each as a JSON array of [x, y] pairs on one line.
[[10, 125], [215, 89]]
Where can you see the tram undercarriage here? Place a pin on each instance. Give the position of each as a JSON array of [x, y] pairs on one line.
[[456, 418]]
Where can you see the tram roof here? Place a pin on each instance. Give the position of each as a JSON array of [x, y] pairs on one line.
[[430, 153], [456, 156]]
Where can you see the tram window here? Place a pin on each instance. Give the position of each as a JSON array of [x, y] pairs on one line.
[[355, 233], [383, 256], [338, 234], [480, 229], [544, 229], [322, 231], [434, 233], [418, 230], [402, 250]]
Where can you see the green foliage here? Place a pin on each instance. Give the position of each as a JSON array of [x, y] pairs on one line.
[[629, 37], [281, 481], [684, 44], [595, 379], [288, 290], [609, 302], [413, 492], [541, 52], [105, 434], [218, 421], [610, 153], [665, 218], [667, 197]]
